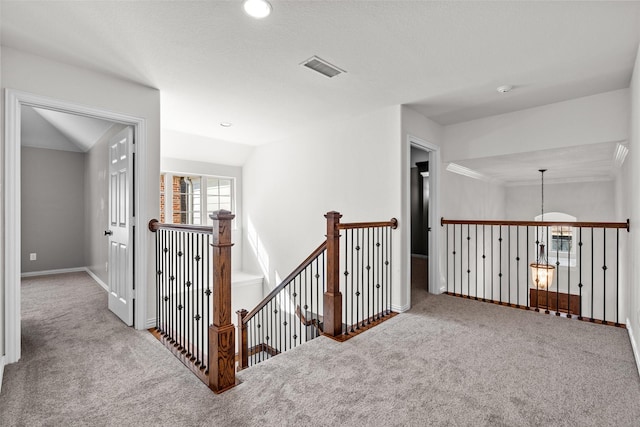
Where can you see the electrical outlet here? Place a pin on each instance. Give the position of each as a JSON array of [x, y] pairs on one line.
[[33, 256]]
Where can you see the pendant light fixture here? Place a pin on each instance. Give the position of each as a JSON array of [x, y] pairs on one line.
[[541, 271]]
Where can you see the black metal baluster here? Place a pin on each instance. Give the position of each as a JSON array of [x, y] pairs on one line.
[[527, 272], [569, 276], [476, 258], [546, 311], [484, 266], [500, 261], [351, 249], [447, 252], [517, 266], [580, 272], [558, 278], [368, 247], [390, 264], [509, 263], [604, 275], [205, 327], [454, 259], [492, 263], [617, 275], [468, 261], [537, 280], [358, 279], [379, 270], [592, 268], [172, 330], [461, 262]]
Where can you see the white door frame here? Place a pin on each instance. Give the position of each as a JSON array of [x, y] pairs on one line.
[[435, 282], [14, 100]]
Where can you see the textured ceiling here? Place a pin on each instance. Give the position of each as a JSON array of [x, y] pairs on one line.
[[214, 64]]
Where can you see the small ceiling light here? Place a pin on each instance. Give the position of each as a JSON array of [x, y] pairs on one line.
[[257, 8], [505, 88], [226, 124]]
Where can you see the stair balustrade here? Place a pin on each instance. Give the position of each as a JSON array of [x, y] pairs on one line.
[[491, 261]]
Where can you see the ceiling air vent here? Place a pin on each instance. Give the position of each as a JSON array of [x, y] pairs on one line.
[[322, 67]]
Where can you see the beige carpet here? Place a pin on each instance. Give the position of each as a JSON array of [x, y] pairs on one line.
[[447, 362]]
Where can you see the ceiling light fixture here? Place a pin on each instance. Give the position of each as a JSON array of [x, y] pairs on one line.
[[504, 89], [541, 270], [226, 124], [257, 8]]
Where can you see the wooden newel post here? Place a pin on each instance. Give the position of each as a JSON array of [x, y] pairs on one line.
[[243, 346], [332, 297], [222, 343]]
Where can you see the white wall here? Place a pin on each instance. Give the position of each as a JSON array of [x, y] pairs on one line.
[[37, 75], [598, 118], [190, 167], [353, 167], [52, 206], [587, 201], [634, 196]]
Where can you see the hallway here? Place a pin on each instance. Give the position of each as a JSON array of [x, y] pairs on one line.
[[448, 361]]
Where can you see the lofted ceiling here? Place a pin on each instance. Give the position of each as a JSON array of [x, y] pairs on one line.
[[592, 162], [42, 128], [214, 64]]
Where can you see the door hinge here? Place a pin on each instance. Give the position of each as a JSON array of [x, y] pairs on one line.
[[133, 293]]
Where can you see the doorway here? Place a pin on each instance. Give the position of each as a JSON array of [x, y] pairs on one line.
[[420, 224], [421, 248], [15, 100]]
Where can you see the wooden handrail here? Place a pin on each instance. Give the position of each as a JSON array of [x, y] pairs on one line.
[[286, 281], [155, 225], [576, 224], [393, 223]]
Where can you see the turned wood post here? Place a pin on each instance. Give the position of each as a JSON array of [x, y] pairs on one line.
[[332, 297], [222, 343], [243, 349]]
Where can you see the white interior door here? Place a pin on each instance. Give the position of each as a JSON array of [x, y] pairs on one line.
[[120, 222]]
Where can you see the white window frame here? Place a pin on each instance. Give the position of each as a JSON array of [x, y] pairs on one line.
[[567, 258], [168, 194]]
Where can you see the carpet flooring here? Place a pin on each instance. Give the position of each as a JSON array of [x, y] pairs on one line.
[[446, 362]]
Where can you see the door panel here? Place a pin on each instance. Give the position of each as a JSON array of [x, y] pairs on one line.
[[120, 201]]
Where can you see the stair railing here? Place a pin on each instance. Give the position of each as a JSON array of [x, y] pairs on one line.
[[193, 297], [492, 261], [323, 297]]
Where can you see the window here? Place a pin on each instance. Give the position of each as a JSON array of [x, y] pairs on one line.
[[560, 248], [194, 198]]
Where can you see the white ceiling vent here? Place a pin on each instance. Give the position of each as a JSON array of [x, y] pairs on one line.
[[322, 67]]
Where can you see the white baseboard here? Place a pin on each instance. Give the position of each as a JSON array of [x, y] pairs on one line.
[[67, 270], [48, 272], [1, 371], [97, 279], [634, 346], [151, 323], [400, 308]]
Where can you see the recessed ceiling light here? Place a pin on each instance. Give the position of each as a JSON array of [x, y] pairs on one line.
[[257, 8], [226, 124], [505, 88]]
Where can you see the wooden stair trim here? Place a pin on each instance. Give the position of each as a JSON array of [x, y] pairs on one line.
[[181, 355], [372, 321]]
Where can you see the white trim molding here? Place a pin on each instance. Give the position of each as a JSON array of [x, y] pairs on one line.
[[49, 272], [400, 308], [1, 371], [151, 323], [634, 345], [14, 100], [97, 279]]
